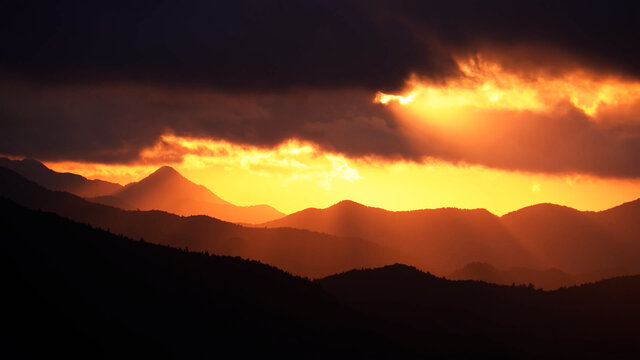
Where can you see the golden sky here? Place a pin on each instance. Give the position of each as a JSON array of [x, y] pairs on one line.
[[486, 114], [294, 176]]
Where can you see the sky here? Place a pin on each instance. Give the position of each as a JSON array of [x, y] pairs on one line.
[[396, 104]]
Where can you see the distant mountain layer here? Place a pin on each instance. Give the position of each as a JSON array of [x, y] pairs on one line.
[[438, 240], [300, 252], [585, 246], [165, 190], [73, 291], [579, 241], [548, 279], [445, 240], [168, 190], [72, 183]]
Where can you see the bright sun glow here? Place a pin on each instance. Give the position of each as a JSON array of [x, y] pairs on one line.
[[488, 86]]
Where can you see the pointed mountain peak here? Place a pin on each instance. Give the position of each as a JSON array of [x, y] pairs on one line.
[[166, 171], [166, 185], [35, 163], [30, 164], [347, 204], [166, 174]]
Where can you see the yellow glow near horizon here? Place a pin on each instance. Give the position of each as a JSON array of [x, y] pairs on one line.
[[296, 175]]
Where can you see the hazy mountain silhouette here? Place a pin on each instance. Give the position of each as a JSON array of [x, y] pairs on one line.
[[590, 321], [300, 252], [548, 279], [440, 240], [75, 184], [586, 245], [578, 241], [539, 237], [72, 291], [168, 190]]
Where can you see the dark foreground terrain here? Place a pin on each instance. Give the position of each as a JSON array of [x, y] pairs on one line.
[[74, 291]]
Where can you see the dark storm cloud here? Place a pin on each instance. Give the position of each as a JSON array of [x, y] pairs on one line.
[[232, 45], [598, 34], [267, 45], [101, 81], [114, 123]]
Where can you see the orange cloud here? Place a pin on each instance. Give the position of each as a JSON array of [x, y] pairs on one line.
[[289, 161], [487, 85], [567, 123]]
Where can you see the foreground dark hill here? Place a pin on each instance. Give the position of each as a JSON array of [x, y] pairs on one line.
[[590, 321], [442, 240], [549, 279], [300, 252], [168, 190], [540, 237], [72, 183], [73, 291]]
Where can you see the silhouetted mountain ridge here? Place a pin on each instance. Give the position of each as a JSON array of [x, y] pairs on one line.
[[585, 245], [73, 183], [444, 240], [166, 189], [298, 251], [166, 177], [578, 241], [76, 291], [440, 240]]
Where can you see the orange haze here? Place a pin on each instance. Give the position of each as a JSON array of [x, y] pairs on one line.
[[296, 175]]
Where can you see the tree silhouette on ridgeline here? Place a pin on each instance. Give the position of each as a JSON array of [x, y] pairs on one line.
[[549, 279]]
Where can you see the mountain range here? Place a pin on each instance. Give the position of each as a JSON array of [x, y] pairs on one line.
[[547, 245], [300, 252], [165, 189], [445, 240], [74, 291]]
